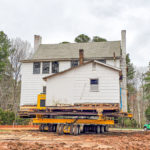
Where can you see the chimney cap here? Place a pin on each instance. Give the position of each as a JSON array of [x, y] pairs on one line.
[[123, 30], [37, 36], [81, 50]]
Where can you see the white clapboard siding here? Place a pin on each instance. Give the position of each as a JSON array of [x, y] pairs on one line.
[[32, 84], [74, 86], [115, 63]]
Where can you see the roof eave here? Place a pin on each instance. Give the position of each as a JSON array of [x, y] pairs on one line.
[[67, 59]]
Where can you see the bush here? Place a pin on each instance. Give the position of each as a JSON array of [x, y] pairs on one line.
[[22, 121], [127, 122], [8, 118], [147, 113]]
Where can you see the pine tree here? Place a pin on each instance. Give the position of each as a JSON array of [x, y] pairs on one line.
[[147, 84], [4, 51]]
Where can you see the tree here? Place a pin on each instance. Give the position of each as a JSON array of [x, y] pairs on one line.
[[147, 84], [130, 68], [147, 113], [98, 39], [130, 75], [65, 42], [19, 50], [4, 51], [82, 38]]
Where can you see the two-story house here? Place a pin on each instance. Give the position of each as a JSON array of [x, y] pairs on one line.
[[49, 59]]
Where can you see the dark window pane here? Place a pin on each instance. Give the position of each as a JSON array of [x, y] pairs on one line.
[[74, 63], [42, 103], [94, 85], [102, 60], [44, 89], [55, 67], [36, 68], [94, 81], [45, 69]]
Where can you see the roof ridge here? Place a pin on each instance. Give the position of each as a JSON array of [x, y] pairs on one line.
[[78, 43]]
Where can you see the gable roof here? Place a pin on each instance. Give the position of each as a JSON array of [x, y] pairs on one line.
[[92, 50], [93, 61]]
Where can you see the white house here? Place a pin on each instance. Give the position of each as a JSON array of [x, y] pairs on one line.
[[90, 82], [49, 59]]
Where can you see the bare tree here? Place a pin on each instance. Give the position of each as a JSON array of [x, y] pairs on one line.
[[19, 50], [140, 100]]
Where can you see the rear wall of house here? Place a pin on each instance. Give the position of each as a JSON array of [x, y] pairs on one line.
[[74, 86], [32, 84]]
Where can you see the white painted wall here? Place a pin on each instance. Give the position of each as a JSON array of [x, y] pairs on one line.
[[63, 65], [74, 86], [32, 84], [115, 63]]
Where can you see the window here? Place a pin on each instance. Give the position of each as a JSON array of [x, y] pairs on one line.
[[94, 85], [74, 63], [42, 103], [102, 60], [55, 67], [44, 89], [45, 69], [36, 67]]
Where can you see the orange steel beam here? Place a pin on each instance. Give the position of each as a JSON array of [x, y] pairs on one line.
[[79, 121]]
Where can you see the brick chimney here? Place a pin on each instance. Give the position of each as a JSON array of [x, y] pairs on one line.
[[124, 71], [81, 56], [37, 41]]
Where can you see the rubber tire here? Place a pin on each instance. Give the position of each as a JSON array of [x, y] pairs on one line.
[[54, 127], [50, 128], [41, 127], [57, 129], [79, 131], [61, 128], [75, 130], [102, 129], [98, 129], [71, 129], [106, 128], [44, 125]]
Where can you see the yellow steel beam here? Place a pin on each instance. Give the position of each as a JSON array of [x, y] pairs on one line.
[[79, 121]]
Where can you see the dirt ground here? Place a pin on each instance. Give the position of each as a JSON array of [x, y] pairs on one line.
[[35, 140]]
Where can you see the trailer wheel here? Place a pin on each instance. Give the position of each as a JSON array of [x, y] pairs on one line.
[[45, 127], [79, 131], [102, 129], [54, 128], [71, 129], [98, 129], [106, 128], [41, 128], [50, 128], [57, 129], [61, 129], [75, 130]]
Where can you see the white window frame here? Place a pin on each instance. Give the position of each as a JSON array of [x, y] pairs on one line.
[[94, 87]]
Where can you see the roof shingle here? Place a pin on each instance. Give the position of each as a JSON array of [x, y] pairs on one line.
[[92, 50]]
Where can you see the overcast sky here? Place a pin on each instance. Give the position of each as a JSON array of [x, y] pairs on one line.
[[63, 20]]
